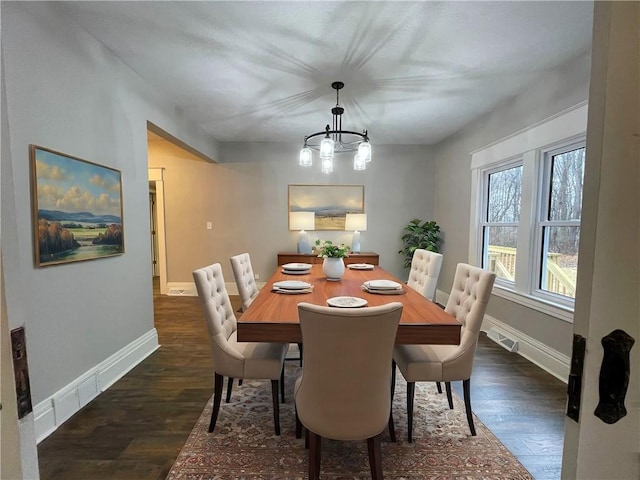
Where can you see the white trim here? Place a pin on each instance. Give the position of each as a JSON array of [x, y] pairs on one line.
[[189, 289], [550, 360], [59, 407], [157, 175], [545, 357], [565, 124], [560, 130], [558, 311]]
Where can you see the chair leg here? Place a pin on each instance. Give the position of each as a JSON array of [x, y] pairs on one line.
[[229, 388], [298, 426], [282, 384], [392, 427], [447, 386], [375, 457], [411, 389], [439, 387], [300, 348], [239, 382], [276, 405], [466, 384], [393, 378], [315, 442], [217, 397]]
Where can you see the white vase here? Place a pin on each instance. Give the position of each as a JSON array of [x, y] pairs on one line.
[[333, 268]]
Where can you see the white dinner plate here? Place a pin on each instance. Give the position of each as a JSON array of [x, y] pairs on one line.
[[360, 266], [296, 272], [382, 285], [292, 285], [296, 266], [347, 302]]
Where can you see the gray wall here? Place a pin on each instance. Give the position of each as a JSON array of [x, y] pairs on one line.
[[555, 91], [246, 199], [65, 91]]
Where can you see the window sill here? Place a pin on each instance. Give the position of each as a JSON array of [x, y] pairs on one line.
[[553, 309]]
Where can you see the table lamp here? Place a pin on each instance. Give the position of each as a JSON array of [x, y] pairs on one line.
[[302, 221], [358, 223]]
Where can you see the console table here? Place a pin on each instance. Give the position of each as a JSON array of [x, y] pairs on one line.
[[293, 257]]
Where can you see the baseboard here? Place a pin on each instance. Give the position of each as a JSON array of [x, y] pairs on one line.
[[545, 357], [189, 289], [59, 407]]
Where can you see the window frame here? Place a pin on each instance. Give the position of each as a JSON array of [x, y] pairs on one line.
[[532, 145], [544, 194], [484, 222]]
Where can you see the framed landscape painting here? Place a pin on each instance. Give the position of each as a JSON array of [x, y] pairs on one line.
[[330, 203], [77, 208]]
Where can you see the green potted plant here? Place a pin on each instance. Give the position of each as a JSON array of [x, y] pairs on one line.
[[333, 263], [419, 234], [327, 249]]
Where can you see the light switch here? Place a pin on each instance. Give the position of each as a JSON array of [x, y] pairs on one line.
[[209, 226]]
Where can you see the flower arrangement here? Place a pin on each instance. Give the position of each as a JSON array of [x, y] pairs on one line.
[[327, 249]]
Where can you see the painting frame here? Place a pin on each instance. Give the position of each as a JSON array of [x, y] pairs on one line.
[[330, 203], [77, 210]]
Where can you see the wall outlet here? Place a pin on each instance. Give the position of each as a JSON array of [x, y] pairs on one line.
[[256, 276], [209, 225]]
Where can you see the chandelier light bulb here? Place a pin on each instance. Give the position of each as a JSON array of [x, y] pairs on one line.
[[358, 162]]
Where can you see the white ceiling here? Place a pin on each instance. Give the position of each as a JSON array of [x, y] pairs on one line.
[[414, 72]]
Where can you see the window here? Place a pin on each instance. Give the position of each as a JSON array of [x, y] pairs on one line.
[[559, 226], [501, 218], [526, 210]]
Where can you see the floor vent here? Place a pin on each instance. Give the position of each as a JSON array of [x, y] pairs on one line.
[[179, 292], [501, 339]]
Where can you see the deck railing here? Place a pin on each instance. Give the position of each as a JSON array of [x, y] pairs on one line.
[[502, 261]]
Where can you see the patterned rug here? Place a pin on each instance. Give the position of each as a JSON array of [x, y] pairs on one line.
[[244, 446]]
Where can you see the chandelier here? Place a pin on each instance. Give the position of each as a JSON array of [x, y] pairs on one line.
[[335, 140]]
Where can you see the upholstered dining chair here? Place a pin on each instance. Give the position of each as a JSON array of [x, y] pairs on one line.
[[248, 290], [344, 390], [230, 357], [424, 272], [446, 363], [245, 279]]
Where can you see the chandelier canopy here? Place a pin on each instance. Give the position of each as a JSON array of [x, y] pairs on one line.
[[335, 140]]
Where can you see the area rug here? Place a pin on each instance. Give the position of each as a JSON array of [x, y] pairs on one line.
[[244, 446]]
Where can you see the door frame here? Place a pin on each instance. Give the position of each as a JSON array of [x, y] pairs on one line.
[[156, 177]]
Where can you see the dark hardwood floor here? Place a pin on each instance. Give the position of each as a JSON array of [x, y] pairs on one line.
[[135, 429]]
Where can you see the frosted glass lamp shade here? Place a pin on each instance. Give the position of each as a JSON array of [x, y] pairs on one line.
[[326, 147], [327, 164], [364, 150], [306, 157]]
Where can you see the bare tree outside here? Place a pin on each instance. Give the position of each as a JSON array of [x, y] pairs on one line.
[[559, 221]]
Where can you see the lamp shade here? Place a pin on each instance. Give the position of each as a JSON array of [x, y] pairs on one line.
[[356, 221], [302, 221]]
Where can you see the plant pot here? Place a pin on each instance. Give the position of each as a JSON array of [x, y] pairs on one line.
[[333, 268]]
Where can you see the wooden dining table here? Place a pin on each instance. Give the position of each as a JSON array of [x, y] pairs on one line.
[[273, 316]]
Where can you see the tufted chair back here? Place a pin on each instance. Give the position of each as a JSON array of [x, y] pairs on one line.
[[425, 269], [245, 279], [221, 321], [468, 300]]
